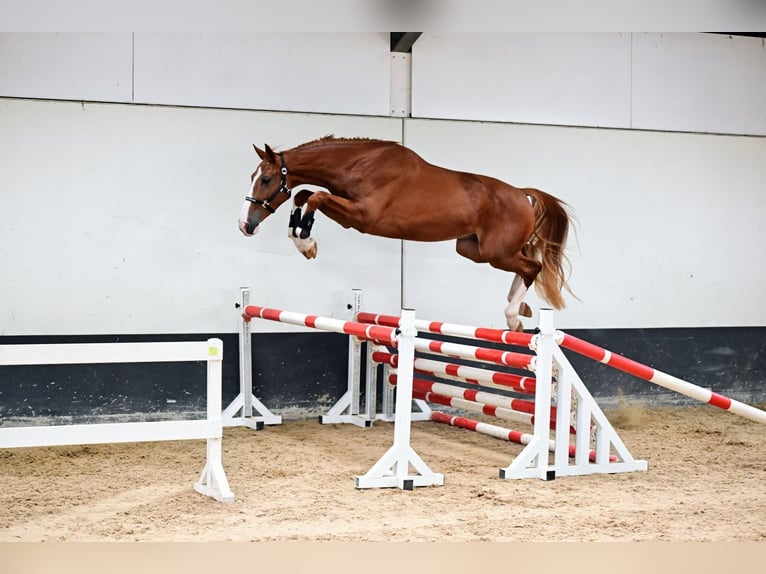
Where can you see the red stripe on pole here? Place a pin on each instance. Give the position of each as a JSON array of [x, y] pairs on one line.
[[720, 401], [491, 355], [435, 346], [630, 366], [515, 436], [271, 314], [311, 321], [598, 354], [489, 334], [435, 327], [490, 410], [385, 320], [452, 369], [583, 347]]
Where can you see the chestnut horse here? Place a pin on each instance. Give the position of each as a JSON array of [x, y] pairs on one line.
[[383, 188]]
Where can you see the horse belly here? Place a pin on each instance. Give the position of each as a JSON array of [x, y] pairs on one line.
[[420, 225]]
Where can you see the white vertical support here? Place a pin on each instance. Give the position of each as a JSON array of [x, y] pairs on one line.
[[611, 454], [370, 387], [563, 419], [246, 357], [532, 462], [387, 402], [393, 468], [212, 480], [346, 409], [354, 355], [246, 404]]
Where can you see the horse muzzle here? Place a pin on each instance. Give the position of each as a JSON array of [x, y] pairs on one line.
[[249, 227]]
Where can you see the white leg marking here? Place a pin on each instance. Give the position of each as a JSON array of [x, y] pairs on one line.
[[515, 297]]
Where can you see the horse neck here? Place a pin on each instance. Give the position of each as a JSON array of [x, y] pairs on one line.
[[328, 166]]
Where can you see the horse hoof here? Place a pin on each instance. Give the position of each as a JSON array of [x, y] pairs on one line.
[[311, 252], [514, 324], [525, 310]]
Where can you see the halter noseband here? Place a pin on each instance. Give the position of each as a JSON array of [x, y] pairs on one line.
[[266, 203]]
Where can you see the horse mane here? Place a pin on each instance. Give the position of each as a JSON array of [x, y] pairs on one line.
[[330, 139]]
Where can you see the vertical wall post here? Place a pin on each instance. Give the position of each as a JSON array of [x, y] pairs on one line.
[[245, 357]]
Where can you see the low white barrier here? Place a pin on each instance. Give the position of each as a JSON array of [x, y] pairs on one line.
[[212, 481]]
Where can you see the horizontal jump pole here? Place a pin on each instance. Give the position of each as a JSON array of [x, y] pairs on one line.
[[101, 353], [506, 358], [463, 373], [502, 433], [660, 378], [463, 404], [452, 329], [363, 331], [476, 401]]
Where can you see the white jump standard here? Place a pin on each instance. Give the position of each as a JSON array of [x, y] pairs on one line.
[[393, 468], [212, 481]]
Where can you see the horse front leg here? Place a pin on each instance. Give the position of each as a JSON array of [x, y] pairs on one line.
[[299, 228], [346, 212]]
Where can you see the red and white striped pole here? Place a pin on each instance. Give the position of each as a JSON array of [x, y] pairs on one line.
[[363, 331], [463, 373], [659, 378], [507, 358], [452, 329], [502, 433]]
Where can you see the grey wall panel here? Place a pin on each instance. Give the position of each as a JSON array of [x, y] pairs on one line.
[[332, 73], [667, 224], [569, 79], [699, 82], [68, 66], [123, 219]]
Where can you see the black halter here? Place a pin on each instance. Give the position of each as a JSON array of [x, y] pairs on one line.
[[266, 203]]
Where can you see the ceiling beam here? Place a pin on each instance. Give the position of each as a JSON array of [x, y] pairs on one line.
[[403, 41]]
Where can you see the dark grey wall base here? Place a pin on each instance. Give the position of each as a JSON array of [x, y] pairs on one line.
[[305, 373]]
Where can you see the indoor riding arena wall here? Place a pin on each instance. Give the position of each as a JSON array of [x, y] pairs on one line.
[[125, 158]]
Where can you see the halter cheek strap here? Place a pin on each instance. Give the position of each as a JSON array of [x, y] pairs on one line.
[[266, 203]]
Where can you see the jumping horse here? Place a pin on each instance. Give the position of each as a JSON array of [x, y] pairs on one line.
[[385, 189]]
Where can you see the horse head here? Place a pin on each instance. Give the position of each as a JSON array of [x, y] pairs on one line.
[[268, 190]]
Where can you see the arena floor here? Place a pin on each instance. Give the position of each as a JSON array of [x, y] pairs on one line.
[[706, 482]]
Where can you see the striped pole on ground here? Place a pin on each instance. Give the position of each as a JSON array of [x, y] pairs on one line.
[[502, 433], [476, 401], [659, 378]]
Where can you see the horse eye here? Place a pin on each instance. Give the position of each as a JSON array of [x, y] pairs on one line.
[[265, 180]]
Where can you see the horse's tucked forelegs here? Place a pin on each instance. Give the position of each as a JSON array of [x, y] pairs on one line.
[[299, 229]]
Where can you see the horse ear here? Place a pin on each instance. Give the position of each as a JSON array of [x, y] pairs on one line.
[[260, 152], [270, 153]]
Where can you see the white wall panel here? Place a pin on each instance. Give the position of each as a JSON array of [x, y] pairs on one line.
[[66, 66], [699, 82], [566, 79], [123, 219], [668, 224], [333, 73]]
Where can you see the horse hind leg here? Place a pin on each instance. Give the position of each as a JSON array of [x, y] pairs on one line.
[[469, 247], [526, 269], [516, 305]]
